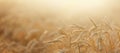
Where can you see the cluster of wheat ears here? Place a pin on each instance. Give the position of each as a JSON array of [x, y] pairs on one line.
[[99, 38]]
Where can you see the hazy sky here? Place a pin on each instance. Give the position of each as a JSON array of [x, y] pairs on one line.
[[64, 11]]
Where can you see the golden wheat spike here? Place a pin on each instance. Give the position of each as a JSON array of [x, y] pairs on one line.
[[93, 22]]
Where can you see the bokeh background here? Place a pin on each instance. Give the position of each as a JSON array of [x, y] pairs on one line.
[[46, 26], [62, 11]]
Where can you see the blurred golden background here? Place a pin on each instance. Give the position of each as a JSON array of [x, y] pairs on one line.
[[62, 11], [59, 26]]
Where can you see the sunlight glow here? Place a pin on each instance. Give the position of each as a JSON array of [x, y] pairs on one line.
[[65, 10], [90, 4]]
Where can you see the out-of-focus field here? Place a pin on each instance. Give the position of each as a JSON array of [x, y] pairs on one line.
[[59, 26]]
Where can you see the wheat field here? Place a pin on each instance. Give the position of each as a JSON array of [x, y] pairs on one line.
[[99, 38], [59, 26]]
